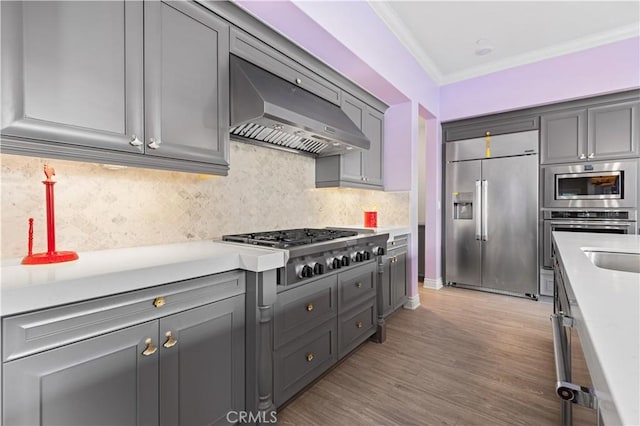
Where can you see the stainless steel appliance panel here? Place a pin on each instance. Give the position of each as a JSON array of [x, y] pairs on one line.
[[611, 184], [510, 240], [593, 226], [462, 243], [501, 146]]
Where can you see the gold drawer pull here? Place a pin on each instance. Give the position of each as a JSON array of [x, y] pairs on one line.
[[150, 349], [359, 324], [310, 307], [309, 357], [170, 340], [159, 302], [358, 284]]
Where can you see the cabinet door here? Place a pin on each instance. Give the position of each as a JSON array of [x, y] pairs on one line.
[[399, 279], [186, 82], [613, 131], [202, 364], [352, 163], [563, 136], [373, 158], [72, 72], [105, 380]]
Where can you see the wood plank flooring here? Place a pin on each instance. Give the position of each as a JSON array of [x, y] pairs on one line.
[[462, 358]]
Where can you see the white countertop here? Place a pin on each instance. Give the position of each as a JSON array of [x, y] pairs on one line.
[[607, 319], [106, 272], [393, 231]]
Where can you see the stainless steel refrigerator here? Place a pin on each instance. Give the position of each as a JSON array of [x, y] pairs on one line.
[[491, 222]]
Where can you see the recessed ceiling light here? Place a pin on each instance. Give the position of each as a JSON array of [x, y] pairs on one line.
[[483, 47]]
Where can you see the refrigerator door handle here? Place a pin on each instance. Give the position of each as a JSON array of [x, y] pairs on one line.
[[477, 212], [485, 210]]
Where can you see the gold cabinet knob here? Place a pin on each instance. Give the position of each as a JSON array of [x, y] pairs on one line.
[[310, 307], [359, 324], [310, 357], [359, 284], [170, 340], [159, 302], [149, 349]]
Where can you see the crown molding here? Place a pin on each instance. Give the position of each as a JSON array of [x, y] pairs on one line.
[[572, 46], [397, 27]]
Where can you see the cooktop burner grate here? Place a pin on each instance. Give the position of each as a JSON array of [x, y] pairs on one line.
[[289, 237]]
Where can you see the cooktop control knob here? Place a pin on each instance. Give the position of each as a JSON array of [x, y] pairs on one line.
[[318, 269], [366, 255], [346, 261], [379, 251], [306, 272], [336, 264], [359, 257]]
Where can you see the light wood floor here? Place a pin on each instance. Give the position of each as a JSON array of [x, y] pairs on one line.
[[462, 358]]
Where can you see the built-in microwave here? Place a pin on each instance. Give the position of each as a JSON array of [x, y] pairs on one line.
[[599, 185]]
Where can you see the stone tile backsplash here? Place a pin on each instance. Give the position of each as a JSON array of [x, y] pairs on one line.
[[99, 208]]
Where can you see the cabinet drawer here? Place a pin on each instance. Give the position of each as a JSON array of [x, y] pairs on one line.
[[355, 326], [356, 285], [301, 309], [298, 363], [49, 328], [264, 56]]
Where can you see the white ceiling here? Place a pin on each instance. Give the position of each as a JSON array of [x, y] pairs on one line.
[[443, 35]]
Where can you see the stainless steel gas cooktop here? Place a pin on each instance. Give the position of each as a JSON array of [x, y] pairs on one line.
[[313, 252]]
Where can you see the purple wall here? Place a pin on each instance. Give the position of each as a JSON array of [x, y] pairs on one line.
[[609, 68]]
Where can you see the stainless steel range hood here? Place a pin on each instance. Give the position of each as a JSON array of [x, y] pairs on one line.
[[270, 111]]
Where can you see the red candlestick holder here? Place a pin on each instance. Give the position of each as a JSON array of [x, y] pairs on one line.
[[51, 255]]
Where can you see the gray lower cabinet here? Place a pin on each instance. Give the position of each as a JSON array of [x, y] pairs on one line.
[[394, 276], [105, 380], [181, 360], [601, 132], [319, 322], [133, 83], [357, 308], [356, 169]]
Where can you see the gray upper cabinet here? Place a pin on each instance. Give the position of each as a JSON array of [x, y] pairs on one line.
[[106, 380], [186, 82], [563, 136], [72, 72], [356, 169], [123, 82], [600, 132], [613, 131]]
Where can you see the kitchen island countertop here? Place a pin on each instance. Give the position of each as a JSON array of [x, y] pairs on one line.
[[606, 313], [106, 272]]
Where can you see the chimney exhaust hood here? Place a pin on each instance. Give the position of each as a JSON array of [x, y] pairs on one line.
[[270, 111]]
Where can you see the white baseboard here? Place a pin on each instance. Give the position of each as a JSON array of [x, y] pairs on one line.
[[412, 302], [433, 284]]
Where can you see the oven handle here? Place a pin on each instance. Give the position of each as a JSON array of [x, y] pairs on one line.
[[564, 388], [477, 213], [592, 224]]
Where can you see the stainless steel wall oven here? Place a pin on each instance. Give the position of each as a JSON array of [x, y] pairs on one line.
[[619, 221], [591, 185]]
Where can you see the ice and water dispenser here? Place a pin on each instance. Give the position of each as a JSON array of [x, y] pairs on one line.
[[462, 205]]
